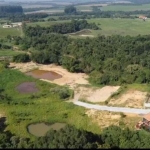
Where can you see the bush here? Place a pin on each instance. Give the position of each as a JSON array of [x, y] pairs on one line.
[[21, 58], [62, 92]]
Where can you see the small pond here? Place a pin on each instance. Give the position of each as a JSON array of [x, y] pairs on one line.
[[40, 129], [27, 87], [43, 74]]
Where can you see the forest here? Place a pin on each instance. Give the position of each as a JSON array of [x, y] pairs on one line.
[[71, 137], [10, 9], [110, 60], [27, 17], [62, 28]]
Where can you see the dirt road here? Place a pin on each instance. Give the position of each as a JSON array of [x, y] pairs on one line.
[[113, 109]]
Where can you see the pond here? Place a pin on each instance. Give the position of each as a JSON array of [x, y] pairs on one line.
[[27, 87], [44, 74], [40, 129]]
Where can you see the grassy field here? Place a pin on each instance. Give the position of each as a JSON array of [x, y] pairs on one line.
[[46, 23], [8, 53], [123, 27], [24, 109], [9, 31], [126, 7]]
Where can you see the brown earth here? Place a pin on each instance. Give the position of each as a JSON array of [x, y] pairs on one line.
[[131, 98], [106, 118]]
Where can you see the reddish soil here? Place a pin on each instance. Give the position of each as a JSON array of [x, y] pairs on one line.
[[44, 74], [27, 87]]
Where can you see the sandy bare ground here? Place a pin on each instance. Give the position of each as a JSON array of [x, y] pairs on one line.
[[87, 35], [106, 118], [70, 79], [131, 98], [97, 95]]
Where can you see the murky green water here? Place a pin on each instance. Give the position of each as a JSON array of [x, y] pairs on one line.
[[40, 129]]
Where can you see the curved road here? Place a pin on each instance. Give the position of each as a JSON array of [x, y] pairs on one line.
[[114, 109]]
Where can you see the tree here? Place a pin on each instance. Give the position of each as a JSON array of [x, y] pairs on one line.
[[70, 10]]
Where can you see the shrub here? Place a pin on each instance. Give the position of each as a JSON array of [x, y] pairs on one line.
[[21, 58]]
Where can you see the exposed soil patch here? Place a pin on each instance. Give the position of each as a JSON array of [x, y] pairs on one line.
[[106, 118], [97, 95], [27, 87], [43, 74], [68, 78], [131, 98]]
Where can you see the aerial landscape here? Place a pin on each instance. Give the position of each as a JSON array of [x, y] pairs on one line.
[[74, 74]]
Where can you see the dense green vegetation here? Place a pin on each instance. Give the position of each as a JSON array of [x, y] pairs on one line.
[[70, 137], [10, 9], [27, 17], [70, 10], [21, 58], [63, 28], [108, 60]]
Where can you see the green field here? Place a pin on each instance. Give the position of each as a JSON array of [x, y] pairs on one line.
[[123, 27], [24, 109], [8, 53], [9, 31], [46, 23], [126, 7]]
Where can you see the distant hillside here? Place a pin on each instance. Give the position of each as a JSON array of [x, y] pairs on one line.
[[140, 1], [11, 9]]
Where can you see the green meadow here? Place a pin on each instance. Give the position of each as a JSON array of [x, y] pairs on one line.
[[9, 31], [125, 7], [43, 106], [9, 53]]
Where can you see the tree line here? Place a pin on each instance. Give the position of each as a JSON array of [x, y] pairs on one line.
[[27, 17], [10, 9], [71, 137], [62, 28]]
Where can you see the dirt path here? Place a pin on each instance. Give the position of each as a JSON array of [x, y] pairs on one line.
[[113, 109]]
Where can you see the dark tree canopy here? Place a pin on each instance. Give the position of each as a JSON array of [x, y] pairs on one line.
[[70, 9], [11, 9]]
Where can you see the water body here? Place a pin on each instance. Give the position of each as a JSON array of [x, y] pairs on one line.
[[43, 74], [40, 129], [27, 87]]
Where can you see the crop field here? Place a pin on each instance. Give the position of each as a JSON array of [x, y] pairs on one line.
[[125, 7]]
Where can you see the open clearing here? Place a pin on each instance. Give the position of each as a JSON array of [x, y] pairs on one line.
[[126, 7], [131, 98], [70, 79], [106, 118], [78, 82], [9, 31], [97, 95]]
